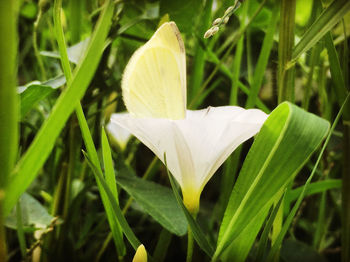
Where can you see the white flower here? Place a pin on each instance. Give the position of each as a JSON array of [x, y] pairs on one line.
[[196, 146], [120, 134], [195, 143]]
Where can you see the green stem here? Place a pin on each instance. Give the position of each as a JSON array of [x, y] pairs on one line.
[[285, 51], [20, 232], [189, 245], [8, 104], [35, 46]]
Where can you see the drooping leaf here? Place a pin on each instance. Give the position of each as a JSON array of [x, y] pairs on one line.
[[34, 215], [158, 201]]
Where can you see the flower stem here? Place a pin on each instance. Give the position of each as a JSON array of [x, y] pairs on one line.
[[189, 245]]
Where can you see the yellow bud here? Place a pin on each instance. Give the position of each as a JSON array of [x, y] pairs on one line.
[[140, 255]]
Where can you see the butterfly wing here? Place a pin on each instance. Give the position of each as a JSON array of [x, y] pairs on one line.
[[154, 81]]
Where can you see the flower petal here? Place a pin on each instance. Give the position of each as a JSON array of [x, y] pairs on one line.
[[212, 134], [196, 146], [121, 135], [159, 135]]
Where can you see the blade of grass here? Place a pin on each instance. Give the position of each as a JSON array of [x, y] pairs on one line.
[[346, 159], [8, 105], [296, 206], [236, 65], [262, 247], [324, 23], [226, 71], [285, 49], [336, 71], [27, 168], [197, 232], [108, 164], [112, 184], [162, 245], [200, 54], [115, 207], [263, 60]]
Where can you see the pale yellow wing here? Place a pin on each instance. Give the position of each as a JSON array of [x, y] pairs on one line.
[[154, 81]]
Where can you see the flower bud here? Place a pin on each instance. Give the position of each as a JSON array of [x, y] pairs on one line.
[[208, 33], [229, 10], [217, 21], [226, 19], [214, 30], [140, 255]]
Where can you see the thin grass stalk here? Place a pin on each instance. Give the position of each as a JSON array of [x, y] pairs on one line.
[[200, 55], [285, 51], [89, 143], [35, 42], [346, 159], [162, 245], [8, 104], [261, 65], [315, 54]]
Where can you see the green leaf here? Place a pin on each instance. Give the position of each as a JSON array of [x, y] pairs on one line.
[[27, 168], [158, 201], [34, 215], [294, 251], [287, 139], [313, 188], [181, 11], [325, 22], [32, 93], [75, 52], [288, 221]]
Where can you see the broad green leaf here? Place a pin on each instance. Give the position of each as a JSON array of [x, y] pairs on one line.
[[287, 139], [276, 246], [27, 168], [325, 22], [110, 180], [34, 215], [158, 201], [32, 93]]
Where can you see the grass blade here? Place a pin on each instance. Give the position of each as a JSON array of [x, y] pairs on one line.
[[115, 207], [262, 60], [28, 167], [8, 105], [112, 184], [285, 49], [325, 22]]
